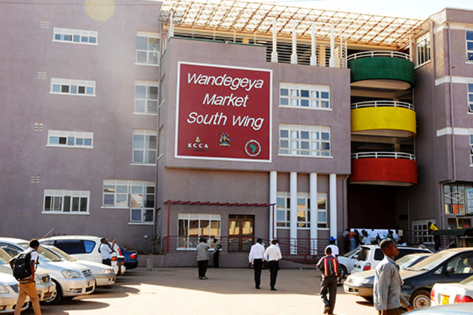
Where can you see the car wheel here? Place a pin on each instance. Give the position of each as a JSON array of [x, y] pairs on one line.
[[56, 297], [343, 272], [420, 298]]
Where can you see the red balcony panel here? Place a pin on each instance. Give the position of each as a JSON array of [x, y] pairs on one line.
[[388, 171]]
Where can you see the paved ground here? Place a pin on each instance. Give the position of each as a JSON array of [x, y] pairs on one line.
[[228, 291]]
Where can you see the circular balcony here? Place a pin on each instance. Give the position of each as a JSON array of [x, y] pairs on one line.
[[383, 118], [384, 168], [381, 69]]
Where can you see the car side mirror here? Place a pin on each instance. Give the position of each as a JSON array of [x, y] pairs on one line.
[[356, 256], [449, 270]]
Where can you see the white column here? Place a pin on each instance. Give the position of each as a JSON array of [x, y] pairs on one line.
[[293, 228], [313, 56], [171, 27], [332, 62], [313, 213], [274, 54], [294, 44], [333, 205], [273, 197]]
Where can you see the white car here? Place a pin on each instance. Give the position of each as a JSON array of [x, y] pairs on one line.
[[85, 248], [104, 275], [347, 261], [44, 285], [9, 294], [71, 280], [452, 293]]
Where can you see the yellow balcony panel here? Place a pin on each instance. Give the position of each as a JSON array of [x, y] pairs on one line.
[[383, 118]]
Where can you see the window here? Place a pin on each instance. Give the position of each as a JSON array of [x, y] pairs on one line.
[[144, 146], [305, 96], [421, 231], [75, 36], [303, 212], [72, 87], [162, 96], [321, 210], [471, 149], [161, 142], [461, 264], [470, 98], [71, 139], [423, 49], [142, 204], [146, 97], [66, 201], [193, 226], [283, 210], [116, 193], [469, 45], [454, 195], [304, 140], [147, 48]]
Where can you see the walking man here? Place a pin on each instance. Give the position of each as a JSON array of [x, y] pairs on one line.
[[256, 260], [387, 296], [202, 258], [330, 272], [273, 255], [27, 285], [217, 247]]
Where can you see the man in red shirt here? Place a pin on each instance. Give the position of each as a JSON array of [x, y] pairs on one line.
[[330, 272]]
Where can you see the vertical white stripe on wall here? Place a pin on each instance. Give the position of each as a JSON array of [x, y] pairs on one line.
[[293, 231], [274, 54], [331, 61], [273, 196], [313, 213], [294, 44], [333, 205]]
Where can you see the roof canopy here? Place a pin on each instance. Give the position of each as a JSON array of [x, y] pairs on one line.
[[257, 17], [455, 232]]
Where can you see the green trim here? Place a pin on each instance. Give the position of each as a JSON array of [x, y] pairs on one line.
[[382, 68]]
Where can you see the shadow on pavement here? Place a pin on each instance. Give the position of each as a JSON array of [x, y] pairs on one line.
[[65, 306]]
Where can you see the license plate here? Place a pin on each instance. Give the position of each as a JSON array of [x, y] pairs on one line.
[[445, 299]]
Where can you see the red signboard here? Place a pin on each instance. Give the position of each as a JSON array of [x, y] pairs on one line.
[[223, 113]]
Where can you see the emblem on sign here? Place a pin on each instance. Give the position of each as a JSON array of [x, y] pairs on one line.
[[253, 148], [224, 140]]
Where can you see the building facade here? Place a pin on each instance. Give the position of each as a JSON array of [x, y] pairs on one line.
[[160, 123]]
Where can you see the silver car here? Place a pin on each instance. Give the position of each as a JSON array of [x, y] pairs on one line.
[[104, 275], [44, 285], [71, 280], [9, 294]]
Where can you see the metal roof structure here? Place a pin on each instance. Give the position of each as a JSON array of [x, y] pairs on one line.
[[258, 17]]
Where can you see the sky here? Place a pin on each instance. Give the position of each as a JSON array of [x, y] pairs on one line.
[[405, 8]]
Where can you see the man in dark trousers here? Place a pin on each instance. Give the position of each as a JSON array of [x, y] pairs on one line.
[[330, 272], [256, 260], [273, 255]]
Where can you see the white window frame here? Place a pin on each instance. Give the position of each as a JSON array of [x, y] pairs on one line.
[[73, 36], [73, 139], [57, 204], [322, 211], [421, 233], [469, 42], [469, 88], [471, 146], [283, 207], [187, 242], [146, 101], [316, 145], [143, 215], [121, 192], [306, 96], [149, 154], [423, 51], [148, 51], [73, 87]]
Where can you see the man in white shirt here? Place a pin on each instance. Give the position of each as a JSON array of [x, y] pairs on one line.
[[106, 251], [333, 246], [256, 260], [273, 255]]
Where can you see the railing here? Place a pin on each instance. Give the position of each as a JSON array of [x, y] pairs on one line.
[[381, 155], [367, 54], [382, 104]]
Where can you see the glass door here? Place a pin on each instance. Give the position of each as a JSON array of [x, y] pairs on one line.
[[240, 232]]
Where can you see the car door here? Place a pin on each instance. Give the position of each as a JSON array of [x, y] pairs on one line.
[[458, 267]]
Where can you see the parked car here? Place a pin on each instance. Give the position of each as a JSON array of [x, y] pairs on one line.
[[45, 287], [451, 293], [103, 274], [131, 258], [347, 261], [71, 280], [86, 248], [451, 309], [9, 294], [443, 267], [361, 283], [371, 255]]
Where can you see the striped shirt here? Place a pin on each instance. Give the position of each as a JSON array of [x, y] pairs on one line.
[[329, 266]]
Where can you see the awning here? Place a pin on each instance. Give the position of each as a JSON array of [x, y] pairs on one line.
[[455, 232]]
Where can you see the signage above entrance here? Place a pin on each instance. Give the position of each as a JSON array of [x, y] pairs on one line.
[[223, 113]]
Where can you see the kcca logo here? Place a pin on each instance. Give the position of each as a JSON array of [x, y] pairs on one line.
[[197, 145]]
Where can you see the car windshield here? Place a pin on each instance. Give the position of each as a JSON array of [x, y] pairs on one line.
[[432, 261], [407, 260], [468, 281], [61, 253], [4, 257], [350, 253], [44, 254]]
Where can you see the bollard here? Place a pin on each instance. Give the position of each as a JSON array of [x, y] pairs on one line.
[[149, 264]]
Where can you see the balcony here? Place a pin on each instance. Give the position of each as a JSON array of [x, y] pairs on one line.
[[384, 168], [383, 118], [382, 70]]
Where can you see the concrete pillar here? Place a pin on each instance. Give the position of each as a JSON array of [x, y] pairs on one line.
[[332, 61], [333, 205], [293, 227], [313, 212], [273, 197], [294, 44], [274, 54], [313, 56]]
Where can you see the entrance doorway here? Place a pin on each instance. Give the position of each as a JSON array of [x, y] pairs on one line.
[[240, 232]]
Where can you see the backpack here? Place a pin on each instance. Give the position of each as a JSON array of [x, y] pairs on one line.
[[22, 265]]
